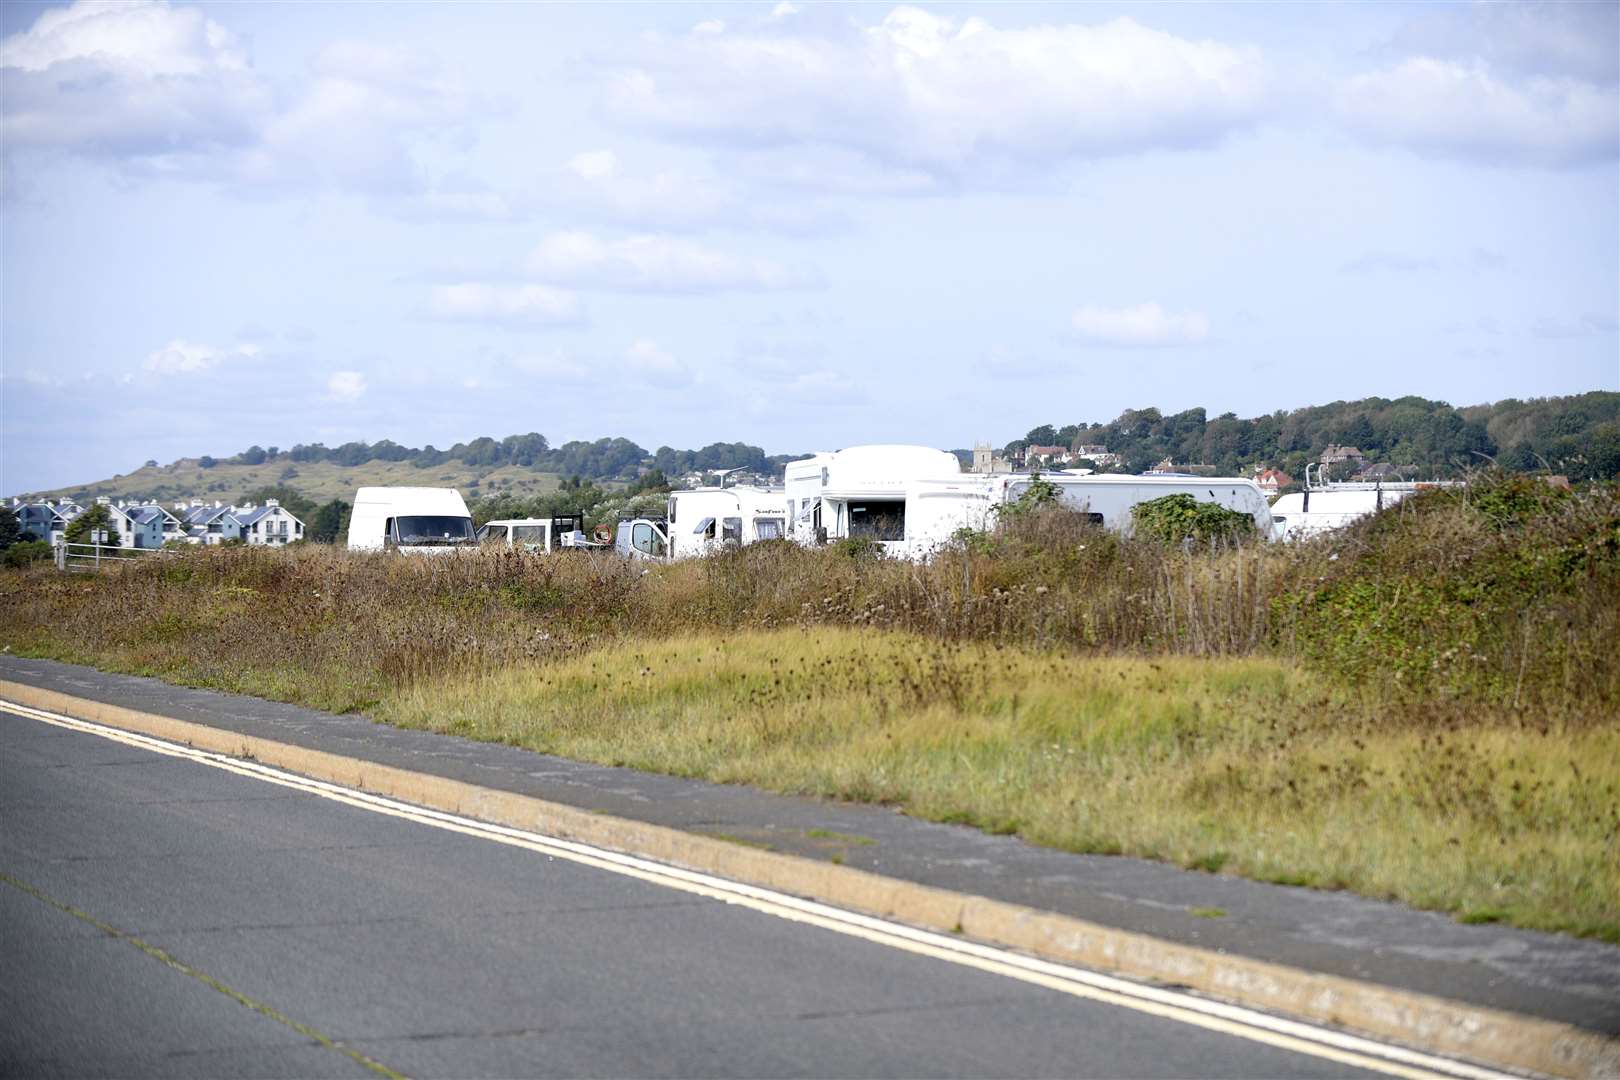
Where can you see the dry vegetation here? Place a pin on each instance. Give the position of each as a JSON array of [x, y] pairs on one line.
[[1423, 707]]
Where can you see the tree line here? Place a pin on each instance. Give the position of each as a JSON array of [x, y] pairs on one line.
[[602, 459], [1578, 436]]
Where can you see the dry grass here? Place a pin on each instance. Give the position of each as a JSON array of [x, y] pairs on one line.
[[1245, 766], [1424, 706]]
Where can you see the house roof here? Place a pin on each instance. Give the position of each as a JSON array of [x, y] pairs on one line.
[[202, 515], [248, 517]]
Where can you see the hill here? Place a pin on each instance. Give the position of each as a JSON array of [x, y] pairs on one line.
[[1578, 435], [319, 481]]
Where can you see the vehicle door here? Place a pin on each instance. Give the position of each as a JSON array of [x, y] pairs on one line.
[[647, 541], [494, 535]]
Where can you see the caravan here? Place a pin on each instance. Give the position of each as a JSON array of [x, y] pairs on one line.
[[1326, 505], [705, 520], [865, 492]]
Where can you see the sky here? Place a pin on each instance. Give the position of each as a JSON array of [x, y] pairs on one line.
[[798, 225]]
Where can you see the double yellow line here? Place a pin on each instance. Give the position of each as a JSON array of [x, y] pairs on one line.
[[1178, 1006]]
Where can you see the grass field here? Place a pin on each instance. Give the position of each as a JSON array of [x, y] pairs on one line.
[[1247, 766], [321, 481], [1424, 707]]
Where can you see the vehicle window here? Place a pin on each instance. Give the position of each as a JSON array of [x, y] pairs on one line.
[[388, 530], [433, 529], [705, 528], [1094, 519], [732, 531], [492, 534], [563, 525], [878, 519], [529, 534], [768, 528]]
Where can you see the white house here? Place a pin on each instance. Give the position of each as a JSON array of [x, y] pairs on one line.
[[271, 524], [208, 523]]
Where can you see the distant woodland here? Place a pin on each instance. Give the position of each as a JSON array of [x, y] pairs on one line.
[[1578, 436]]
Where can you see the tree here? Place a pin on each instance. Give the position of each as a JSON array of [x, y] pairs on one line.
[[10, 529], [206, 462], [97, 517], [253, 455], [329, 522], [1045, 435]]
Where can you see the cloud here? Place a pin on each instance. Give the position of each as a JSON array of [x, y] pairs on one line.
[[180, 357], [1560, 40], [346, 386], [653, 263], [137, 79], [1533, 84], [1466, 109], [1140, 325], [656, 366], [507, 305], [946, 95], [163, 91]]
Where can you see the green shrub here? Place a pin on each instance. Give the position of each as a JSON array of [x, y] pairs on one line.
[[1174, 519], [26, 552]]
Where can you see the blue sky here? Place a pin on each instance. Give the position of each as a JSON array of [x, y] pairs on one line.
[[798, 225]]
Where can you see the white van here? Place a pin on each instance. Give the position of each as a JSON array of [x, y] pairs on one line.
[[415, 520], [705, 520]]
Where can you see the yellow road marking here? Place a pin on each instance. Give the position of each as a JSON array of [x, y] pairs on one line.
[[1178, 1006], [206, 979]]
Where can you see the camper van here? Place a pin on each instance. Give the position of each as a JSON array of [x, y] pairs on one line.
[[414, 520], [861, 491], [912, 500], [542, 535], [705, 520]]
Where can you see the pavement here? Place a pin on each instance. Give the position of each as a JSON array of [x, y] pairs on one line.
[[1535, 974], [160, 917]]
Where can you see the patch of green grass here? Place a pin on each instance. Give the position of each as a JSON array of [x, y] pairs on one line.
[[839, 837], [1207, 912]]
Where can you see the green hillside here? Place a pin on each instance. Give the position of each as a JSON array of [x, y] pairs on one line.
[[320, 481]]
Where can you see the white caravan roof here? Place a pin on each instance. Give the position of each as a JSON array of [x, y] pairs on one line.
[[885, 469], [436, 501]]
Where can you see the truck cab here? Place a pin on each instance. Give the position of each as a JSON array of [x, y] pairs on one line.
[[642, 538]]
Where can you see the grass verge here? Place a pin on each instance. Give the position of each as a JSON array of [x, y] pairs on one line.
[[1245, 766]]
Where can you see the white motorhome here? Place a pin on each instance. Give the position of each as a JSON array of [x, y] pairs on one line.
[[534, 534], [1327, 505], [709, 519], [415, 520], [802, 482], [704, 520], [864, 491]]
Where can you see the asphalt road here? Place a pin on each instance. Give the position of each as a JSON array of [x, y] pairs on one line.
[[159, 917]]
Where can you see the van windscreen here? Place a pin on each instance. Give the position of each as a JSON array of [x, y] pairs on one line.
[[434, 529]]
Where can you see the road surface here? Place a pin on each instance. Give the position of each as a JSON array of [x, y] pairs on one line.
[[161, 917]]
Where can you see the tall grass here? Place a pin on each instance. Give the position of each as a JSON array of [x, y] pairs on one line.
[[1446, 661]]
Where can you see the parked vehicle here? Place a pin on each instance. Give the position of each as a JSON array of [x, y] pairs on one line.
[[863, 491], [705, 520], [1109, 497], [1326, 505], [541, 535], [414, 520], [642, 538]]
